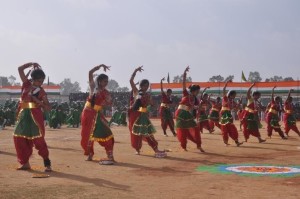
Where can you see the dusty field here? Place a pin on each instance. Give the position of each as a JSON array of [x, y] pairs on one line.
[[145, 176]]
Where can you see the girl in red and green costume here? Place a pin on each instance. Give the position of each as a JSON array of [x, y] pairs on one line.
[[289, 118], [30, 130], [214, 115], [250, 119], [226, 121], [165, 111], [203, 121], [186, 126], [140, 125], [94, 125], [272, 118]]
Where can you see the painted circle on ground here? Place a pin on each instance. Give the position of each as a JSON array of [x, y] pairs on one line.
[[252, 170], [265, 170]]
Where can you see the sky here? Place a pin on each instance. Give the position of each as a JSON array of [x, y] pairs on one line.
[[215, 37]]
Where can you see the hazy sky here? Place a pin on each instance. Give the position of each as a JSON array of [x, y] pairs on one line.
[[68, 37]]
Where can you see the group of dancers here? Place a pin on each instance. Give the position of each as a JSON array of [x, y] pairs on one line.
[[190, 117]]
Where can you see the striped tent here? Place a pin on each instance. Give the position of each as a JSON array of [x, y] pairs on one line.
[[240, 87], [16, 90]]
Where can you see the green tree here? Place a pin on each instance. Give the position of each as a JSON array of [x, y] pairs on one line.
[[230, 77], [112, 85], [216, 78], [274, 79], [254, 77], [68, 87], [4, 81], [12, 80], [179, 79]]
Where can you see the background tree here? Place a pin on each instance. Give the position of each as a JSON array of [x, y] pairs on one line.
[[12, 80], [288, 79], [254, 77], [274, 79], [68, 87], [230, 77], [178, 79], [112, 85], [216, 78], [4, 81]]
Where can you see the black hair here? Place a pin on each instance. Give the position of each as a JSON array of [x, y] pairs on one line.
[[256, 93], [218, 98], [37, 74], [98, 80], [231, 93], [194, 87], [144, 82], [101, 77], [169, 90], [290, 98], [277, 98]]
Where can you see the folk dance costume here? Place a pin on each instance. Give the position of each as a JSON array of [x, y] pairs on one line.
[[118, 118], [214, 115], [115, 118], [123, 118], [186, 126], [250, 120], [272, 119], [226, 121], [56, 118], [289, 118], [166, 114], [73, 119], [140, 126], [203, 120], [95, 126], [30, 129]]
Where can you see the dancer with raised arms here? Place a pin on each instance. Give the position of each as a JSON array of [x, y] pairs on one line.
[[140, 125], [95, 127], [30, 129], [226, 120], [186, 126], [166, 116]]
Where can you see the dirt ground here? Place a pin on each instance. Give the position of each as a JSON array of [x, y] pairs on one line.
[[144, 176]]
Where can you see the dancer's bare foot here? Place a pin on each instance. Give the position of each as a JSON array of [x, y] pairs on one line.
[[25, 166], [90, 157], [226, 143], [201, 149], [48, 169], [261, 140], [183, 149], [137, 152], [238, 143]]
